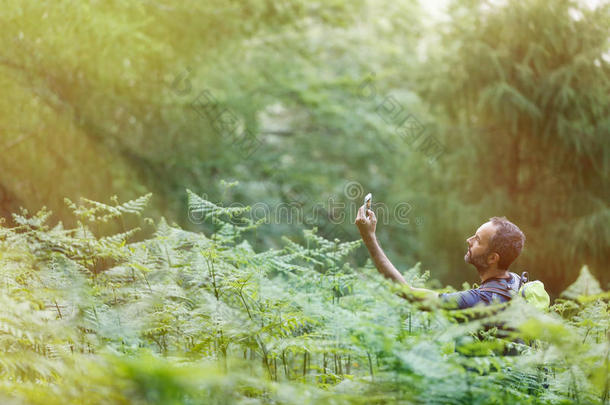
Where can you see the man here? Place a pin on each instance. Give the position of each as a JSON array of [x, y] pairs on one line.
[[491, 250]]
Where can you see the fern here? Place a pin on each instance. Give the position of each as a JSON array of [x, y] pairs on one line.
[[298, 319]]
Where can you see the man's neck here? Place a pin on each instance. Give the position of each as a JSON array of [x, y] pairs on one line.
[[493, 273]]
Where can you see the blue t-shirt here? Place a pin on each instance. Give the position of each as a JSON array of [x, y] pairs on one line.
[[470, 298]]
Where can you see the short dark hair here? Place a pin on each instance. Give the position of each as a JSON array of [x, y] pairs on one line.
[[507, 241]]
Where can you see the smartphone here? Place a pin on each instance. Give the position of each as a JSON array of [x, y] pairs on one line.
[[367, 202]]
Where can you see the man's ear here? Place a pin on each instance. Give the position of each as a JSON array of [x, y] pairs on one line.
[[493, 258]]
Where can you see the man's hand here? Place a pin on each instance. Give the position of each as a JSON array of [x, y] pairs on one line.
[[366, 226]]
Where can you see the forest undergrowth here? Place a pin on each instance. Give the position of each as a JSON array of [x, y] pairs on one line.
[[186, 318]]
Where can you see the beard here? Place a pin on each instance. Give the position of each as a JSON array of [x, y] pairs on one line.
[[479, 261]]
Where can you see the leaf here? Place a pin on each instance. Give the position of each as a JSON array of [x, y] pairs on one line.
[[585, 284]]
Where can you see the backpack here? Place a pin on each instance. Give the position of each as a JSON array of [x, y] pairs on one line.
[[532, 291]]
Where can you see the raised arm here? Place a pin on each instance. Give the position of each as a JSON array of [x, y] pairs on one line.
[[366, 226]]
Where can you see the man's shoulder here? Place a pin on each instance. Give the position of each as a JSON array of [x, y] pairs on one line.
[[467, 298], [472, 297], [475, 296], [512, 282]]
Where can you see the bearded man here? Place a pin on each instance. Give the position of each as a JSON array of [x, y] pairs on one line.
[[491, 250]]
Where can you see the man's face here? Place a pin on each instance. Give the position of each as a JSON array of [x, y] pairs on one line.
[[478, 246]]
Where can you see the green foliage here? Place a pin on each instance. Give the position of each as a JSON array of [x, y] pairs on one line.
[[180, 318], [99, 99], [110, 306], [584, 285]]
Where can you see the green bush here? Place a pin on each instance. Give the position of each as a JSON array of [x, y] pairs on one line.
[[184, 318]]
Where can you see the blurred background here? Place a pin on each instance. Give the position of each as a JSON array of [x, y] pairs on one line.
[[449, 112]]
